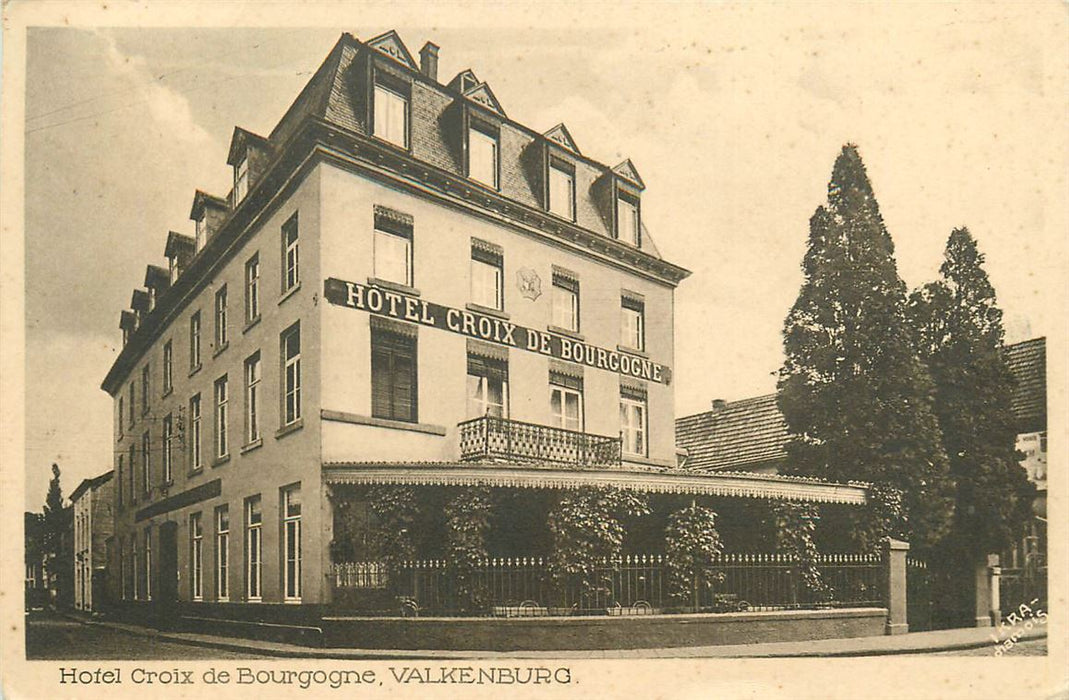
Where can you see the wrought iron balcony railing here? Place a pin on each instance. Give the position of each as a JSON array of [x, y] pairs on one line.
[[490, 437]]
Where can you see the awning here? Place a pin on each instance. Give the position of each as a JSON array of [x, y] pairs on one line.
[[729, 484]]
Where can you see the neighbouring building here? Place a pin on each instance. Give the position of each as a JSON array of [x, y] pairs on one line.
[[1024, 566], [404, 287], [93, 505], [745, 435]]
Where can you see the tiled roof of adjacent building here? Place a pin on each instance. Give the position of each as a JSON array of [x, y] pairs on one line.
[[90, 483], [746, 434], [1028, 363]]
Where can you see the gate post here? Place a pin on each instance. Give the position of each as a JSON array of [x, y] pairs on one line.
[[894, 576]]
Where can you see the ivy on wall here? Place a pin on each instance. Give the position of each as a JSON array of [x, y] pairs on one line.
[[395, 509], [691, 544]]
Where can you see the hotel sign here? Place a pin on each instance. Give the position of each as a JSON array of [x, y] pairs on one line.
[[391, 304]]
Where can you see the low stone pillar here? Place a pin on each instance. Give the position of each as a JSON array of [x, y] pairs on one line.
[[894, 576], [988, 573]]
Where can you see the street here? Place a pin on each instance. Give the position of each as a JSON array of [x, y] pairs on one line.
[[53, 637]]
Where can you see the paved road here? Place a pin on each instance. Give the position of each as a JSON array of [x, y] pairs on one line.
[[59, 638], [1032, 647]]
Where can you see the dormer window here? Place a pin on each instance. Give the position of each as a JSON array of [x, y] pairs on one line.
[[241, 180], [202, 232], [391, 116], [562, 189], [482, 155], [627, 221]]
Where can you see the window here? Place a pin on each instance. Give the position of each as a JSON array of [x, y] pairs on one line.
[[194, 341], [168, 368], [565, 302], [202, 232], [392, 250], [118, 481], [168, 444], [145, 465], [148, 563], [252, 288], [291, 542], [123, 591], [220, 319], [291, 374], [252, 398], [488, 383], [291, 272], [135, 568], [562, 190], [633, 422], [486, 275], [122, 415], [195, 462], [241, 180], [131, 404], [391, 116], [566, 401], [253, 548], [632, 323], [393, 375], [173, 268], [131, 460], [196, 556], [627, 222], [222, 553], [482, 156], [222, 398], [144, 389]]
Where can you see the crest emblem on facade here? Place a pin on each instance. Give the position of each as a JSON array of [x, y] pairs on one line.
[[529, 282]]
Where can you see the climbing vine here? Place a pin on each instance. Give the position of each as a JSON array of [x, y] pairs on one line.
[[795, 525], [587, 531], [691, 544], [395, 509], [467, 522]]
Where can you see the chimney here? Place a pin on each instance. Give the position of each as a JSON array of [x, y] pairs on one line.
[[719, 404], [428, 61]]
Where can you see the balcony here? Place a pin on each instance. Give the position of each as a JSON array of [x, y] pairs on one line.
[[493, 438]]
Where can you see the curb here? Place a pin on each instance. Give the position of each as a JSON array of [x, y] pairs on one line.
[[294, 651]]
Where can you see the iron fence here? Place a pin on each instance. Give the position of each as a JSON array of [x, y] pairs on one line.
[[630, 585], [491, 437], [1024, 585]]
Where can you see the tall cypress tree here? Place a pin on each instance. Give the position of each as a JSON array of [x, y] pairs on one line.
[[854, 394], [959, 333]]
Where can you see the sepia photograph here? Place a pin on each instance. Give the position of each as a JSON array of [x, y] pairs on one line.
[[404, 349]]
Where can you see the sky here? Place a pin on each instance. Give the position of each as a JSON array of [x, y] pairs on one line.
[[733, 115]]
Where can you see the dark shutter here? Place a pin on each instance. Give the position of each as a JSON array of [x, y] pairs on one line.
[[394, 387]]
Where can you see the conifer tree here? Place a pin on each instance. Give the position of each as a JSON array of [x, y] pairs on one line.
[[959, 332], [854, 394]]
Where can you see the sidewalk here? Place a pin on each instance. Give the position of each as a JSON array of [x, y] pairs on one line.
[[915, 643]]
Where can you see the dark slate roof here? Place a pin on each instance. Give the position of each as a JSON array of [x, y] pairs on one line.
[[90, 484], [746, 434], [1028, 363]]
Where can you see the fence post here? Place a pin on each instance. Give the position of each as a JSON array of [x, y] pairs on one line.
[[894, 593], [988, 573]]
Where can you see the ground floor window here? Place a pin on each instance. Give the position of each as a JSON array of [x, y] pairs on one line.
[[148, 563], [253, 548], [291, 541], [222, 553], [196, 558]]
